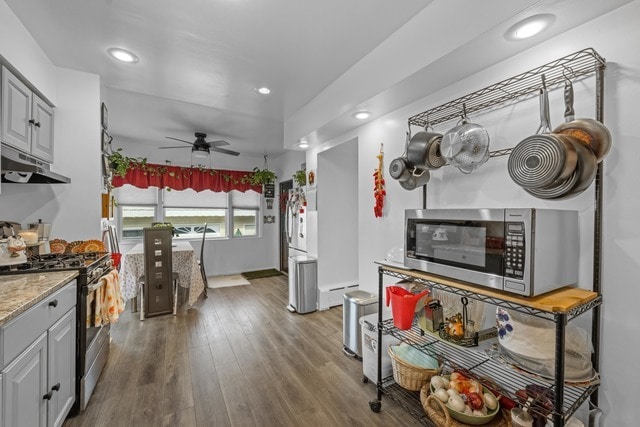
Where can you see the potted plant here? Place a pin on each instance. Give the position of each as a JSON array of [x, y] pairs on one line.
[[300, 177], [119, 163], [262, 177]]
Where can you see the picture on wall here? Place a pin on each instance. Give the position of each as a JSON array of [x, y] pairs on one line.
[[106, 140], [104, 117]]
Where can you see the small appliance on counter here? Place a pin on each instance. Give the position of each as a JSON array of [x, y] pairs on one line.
[[12, 246], [43, 229]]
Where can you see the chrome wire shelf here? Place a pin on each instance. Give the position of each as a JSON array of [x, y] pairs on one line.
[[408, 400], [574, 66], [484, 363], [574, 312]]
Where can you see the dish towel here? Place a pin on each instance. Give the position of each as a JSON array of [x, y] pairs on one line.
[[108, 301], [112, 300]]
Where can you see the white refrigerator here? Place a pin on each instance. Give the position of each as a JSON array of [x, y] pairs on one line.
[[296, 223], [303, 271]]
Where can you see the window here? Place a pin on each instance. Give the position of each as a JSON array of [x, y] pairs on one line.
[[137, 209], [135, 218], [188, 210], [246, 211], [228, 215]]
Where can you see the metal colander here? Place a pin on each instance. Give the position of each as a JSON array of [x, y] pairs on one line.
[[465, 145]]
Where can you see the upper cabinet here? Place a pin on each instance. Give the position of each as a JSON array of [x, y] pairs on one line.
[[27, 120]]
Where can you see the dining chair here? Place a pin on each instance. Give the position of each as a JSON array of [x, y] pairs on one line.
[[158, 287], [201, 260]]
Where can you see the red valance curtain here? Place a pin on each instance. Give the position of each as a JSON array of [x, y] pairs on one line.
[[181, 178]]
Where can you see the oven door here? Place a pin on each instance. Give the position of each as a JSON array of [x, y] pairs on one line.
[[463, 244], [95, 341]]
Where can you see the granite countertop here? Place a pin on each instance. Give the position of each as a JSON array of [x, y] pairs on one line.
[[21, 291]]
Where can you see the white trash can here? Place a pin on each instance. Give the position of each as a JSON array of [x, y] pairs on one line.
[[369, 326]]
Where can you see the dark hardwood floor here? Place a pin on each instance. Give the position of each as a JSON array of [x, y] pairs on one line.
[[237, 358]]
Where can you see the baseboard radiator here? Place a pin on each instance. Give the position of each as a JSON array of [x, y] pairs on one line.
[[333, 295]]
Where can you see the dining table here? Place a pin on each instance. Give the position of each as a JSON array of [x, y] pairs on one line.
[[184, 263]]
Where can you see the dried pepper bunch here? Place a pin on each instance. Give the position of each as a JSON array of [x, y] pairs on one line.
[[378, 190]]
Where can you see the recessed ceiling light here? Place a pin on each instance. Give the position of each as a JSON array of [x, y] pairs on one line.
[[529, 27], [264, 90], [122, 55], [303, 143], [362, 115]]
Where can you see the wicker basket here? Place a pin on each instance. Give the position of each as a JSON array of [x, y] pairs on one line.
[[409, 376], [438, 413]]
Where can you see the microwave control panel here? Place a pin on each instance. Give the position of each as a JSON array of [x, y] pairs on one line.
[[514, 250]]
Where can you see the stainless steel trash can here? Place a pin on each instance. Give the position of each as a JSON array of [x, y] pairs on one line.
[[355, 305], [303, 284]]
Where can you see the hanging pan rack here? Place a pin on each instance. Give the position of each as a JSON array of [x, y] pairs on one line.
[[577, 65]]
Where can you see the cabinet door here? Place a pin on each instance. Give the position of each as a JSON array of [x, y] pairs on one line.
[[42, 130], [16, 112], [25, 384], [61, 349]]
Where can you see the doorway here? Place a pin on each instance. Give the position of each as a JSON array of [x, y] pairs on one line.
[[285, 186]]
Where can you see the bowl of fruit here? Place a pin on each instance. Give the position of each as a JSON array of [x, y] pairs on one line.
[[466, 399]]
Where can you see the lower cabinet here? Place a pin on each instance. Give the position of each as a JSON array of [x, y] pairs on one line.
[[38, 385]]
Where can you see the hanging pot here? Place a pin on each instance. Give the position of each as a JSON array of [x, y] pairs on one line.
[[434, 156], [400, 169], [417, 151], [418, 178], [544, 160], [589, 131]]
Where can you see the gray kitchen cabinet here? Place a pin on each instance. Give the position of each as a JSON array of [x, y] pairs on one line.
[[25, 382], [37, 362], [27, 120]]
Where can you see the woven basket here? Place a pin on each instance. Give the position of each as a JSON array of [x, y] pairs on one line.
[[409, 376], [438, 413]]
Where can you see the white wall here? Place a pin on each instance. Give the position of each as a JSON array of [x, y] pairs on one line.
[[337, 216], [615, 36], [22, 52], [73, 209]]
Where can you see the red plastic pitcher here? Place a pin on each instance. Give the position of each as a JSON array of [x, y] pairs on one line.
[[403, 305]]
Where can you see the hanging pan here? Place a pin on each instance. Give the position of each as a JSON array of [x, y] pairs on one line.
[[418, 148], [544, 160], [400, 168], [589, 131]]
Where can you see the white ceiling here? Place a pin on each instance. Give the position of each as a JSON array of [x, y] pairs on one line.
[[201, 60]]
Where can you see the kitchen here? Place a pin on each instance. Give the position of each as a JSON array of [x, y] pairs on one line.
[[614, 35]]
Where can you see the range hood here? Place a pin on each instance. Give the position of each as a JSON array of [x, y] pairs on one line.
[[18, 167]]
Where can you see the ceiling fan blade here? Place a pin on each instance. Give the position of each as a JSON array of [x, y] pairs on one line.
[[162, 148], [225, 151], [181, 140], [219, 143]]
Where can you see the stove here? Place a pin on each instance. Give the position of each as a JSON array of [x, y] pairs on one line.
[[71, 261], [92, 342]]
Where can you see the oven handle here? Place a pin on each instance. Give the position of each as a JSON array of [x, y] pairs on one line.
[[97, 284]]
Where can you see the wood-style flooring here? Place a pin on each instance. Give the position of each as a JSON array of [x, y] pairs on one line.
[[237, 358]]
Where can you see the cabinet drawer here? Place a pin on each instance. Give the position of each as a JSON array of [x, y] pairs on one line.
[[19, 333]]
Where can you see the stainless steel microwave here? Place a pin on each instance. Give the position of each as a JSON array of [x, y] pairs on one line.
[[522, 251]]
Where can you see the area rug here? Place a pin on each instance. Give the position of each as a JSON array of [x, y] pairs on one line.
[[259, 274], [226, 281]]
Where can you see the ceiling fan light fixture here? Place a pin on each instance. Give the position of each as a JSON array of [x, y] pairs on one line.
[[122, 55], [200, 153]]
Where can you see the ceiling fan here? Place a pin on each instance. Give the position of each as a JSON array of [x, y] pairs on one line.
[[201, 147]]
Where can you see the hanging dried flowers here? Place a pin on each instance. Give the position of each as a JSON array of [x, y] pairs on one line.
[[378, 190]]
